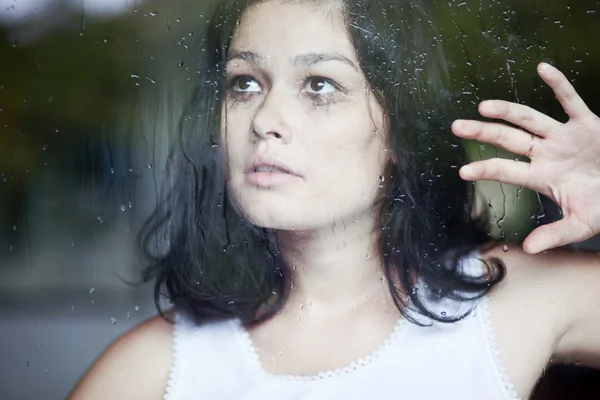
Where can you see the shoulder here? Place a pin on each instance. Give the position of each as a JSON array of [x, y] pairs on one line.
[[546, 308], [136, 365], [557, 283]]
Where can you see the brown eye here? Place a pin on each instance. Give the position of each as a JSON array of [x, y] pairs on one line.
[[245, 84], [319, 85]]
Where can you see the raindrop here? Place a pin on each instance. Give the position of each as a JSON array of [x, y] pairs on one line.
[[444, 314], [123, 208], [180, 63], [45, 147], [505, 248], [100, 219], [154, 13], [27, 363], [14, 227], [112, 170], [92, 290], [136, 308], [113, 320]]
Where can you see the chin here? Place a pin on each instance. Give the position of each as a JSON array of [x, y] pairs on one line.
[[279, 216]]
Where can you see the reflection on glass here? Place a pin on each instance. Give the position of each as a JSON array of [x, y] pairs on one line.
[[284, 180]]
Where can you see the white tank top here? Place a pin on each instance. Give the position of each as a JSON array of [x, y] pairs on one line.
[[444, 361]]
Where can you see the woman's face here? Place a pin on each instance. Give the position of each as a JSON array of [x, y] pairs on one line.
[[304, 138]]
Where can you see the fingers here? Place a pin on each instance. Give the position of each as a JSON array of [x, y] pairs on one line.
[[502, 170], [574, 106], [511, 139], [520, 115], [556, 234]]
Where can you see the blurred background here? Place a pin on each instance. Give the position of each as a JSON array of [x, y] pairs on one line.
[[91, 93]]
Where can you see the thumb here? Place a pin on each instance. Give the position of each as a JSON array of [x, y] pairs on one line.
[[556, 234]]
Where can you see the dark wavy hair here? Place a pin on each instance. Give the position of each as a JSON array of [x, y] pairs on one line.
[[212, 263]]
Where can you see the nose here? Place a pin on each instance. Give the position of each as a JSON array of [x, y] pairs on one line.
[[272, 119]]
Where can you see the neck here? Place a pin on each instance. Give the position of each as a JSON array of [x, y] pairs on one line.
[[337, 266]]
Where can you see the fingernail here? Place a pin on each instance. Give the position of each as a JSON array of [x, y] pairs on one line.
[[467, 170]]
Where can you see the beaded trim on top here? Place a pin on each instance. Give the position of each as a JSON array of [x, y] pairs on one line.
[[252, 353], [175, 368], [491, 337]]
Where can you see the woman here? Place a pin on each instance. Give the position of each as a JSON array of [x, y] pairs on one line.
[[317, 207]]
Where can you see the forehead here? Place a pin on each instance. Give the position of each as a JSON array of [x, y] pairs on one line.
[[285, 29]]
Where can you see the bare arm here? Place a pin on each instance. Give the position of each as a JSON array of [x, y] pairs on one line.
[[135, 366], [578, 277], [556, 295]]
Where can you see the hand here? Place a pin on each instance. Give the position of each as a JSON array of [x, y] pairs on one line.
[[564, 159]]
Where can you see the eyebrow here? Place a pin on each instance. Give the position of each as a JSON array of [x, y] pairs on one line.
[[301, 61]]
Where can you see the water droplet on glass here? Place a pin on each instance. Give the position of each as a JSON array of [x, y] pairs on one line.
[[154, 13], [123, 208], [444, 314], [113, 320], [505, 248], [136, 308], [92, 290], [180, 64], [27, 363], [14, 227]]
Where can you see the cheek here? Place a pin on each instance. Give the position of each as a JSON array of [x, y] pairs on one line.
[[348, 157]]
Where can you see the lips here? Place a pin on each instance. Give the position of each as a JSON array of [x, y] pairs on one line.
[[266, 165], [266, 172]]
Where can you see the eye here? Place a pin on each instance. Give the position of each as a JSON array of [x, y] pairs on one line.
[[318, 85], [245, 84]]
